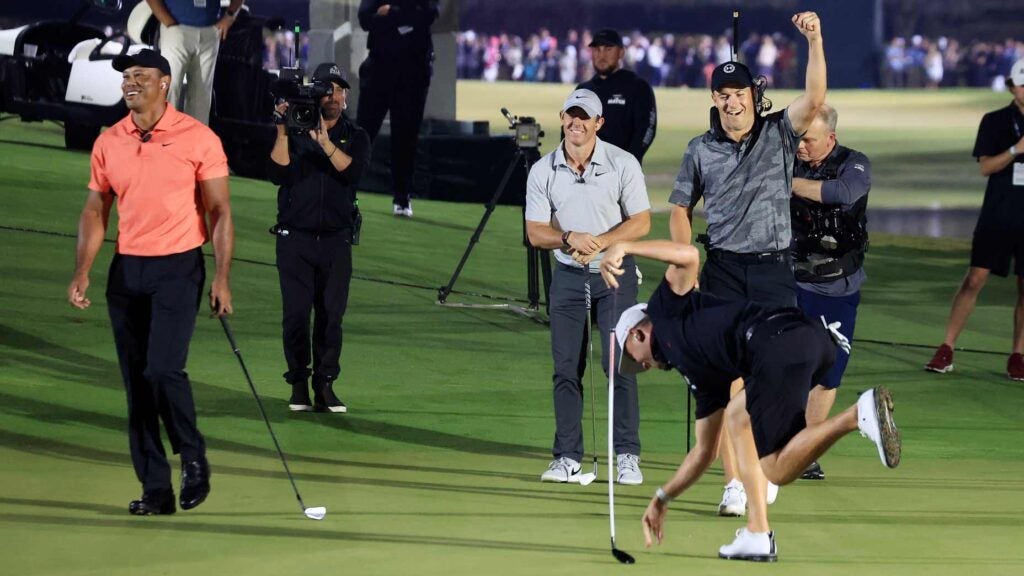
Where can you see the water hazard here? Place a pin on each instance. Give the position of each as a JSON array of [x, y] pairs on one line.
[[935, 223]]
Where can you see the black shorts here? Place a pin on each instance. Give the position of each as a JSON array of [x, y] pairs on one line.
[[788, 354], [992, 250]]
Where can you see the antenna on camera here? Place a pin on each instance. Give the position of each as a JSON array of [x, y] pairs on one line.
[[735, 34], [295, 45]]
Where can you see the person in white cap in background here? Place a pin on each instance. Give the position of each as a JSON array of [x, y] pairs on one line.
[[779, 352], [580, 198]]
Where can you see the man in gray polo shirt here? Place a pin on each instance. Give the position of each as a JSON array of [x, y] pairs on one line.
[[742, 168], [580, 198]]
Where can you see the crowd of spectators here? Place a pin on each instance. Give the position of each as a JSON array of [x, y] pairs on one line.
[[688, 59], [926, 63], [662, 60]]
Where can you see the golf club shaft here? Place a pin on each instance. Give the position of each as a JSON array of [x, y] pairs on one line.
[[591, 368], [259, 403], [611, 446]]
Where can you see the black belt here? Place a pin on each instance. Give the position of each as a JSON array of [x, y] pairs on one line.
[[285, 231], [788, 313], [775, 257]]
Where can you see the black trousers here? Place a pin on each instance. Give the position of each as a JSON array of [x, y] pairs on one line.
[[768, 280], [569, 340], [314, 273], [399, 88], [152, 302]]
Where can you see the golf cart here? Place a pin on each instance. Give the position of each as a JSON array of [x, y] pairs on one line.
[[60, 71]]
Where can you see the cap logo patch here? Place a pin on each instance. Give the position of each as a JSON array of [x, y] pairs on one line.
[[729, 68]]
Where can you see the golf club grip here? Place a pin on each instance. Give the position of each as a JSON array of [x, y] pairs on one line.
[[228, 333]]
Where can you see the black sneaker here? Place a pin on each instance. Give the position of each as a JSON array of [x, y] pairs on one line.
[[299, 401], [195, 483], [324, 399], [813, 472], [153, 502]]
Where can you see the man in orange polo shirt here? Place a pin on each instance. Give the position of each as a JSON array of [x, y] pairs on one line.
[[168, 173]]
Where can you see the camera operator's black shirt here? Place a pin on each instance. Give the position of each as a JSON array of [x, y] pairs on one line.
[[1003, 207], [630, 113], [314, 197], [702, 336]]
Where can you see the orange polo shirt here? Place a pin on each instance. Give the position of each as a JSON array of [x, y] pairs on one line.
[[159, 205]]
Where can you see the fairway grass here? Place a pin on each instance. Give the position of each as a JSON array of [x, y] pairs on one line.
[[436, 468]]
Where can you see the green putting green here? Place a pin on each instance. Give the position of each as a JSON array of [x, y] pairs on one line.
[[436, 468]]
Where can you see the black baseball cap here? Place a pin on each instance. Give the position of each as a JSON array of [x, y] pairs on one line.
[[329, 71], [145, 58], [606, 37], [732, 74]]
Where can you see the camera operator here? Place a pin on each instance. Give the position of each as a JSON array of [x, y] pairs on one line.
[[317, 223], [830, 197]]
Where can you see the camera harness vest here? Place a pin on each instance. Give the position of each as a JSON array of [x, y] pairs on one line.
[[828, 242]]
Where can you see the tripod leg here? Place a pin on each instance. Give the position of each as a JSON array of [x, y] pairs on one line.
[[444, 291]]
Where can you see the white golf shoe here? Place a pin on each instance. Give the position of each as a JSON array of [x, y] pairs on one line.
[[752, 546], [874, 418], [628, 466], [773, 492], [562, 470], [734, 499]]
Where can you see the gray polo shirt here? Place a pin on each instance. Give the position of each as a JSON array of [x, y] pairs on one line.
[[611, 188], [745, 185]]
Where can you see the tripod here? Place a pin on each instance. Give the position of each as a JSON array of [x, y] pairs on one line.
[[538, 262]]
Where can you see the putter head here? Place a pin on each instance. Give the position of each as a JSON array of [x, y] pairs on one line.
[[586, 479], [316, 513], [623, 557]]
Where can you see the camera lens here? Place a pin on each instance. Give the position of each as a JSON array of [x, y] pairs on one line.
[[304, 116]]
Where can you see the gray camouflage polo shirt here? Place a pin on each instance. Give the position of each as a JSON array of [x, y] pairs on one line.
[[746, 185]]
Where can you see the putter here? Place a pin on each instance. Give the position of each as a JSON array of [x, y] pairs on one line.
[[586, 479], [621, 556], [314, 513]]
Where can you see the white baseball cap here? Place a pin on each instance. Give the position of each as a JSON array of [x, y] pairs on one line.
[[585, 100], [627, 321], [1017, 73]]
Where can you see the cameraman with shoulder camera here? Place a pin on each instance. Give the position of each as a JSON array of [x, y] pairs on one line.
[[317, 223], [829, 212]]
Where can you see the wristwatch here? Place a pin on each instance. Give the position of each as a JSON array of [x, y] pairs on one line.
[[231, 14], [1013, 150]]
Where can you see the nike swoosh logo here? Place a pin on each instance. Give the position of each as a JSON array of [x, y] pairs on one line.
[[167, 144]]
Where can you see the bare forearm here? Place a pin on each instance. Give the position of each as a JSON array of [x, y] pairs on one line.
[[279, 154], [809, 189], [992, 164], [681, 224], [692, 468], [339, 159], [92, 228], [667, 251], [543, 235], [636, 227], [223, 236], [161, 12]]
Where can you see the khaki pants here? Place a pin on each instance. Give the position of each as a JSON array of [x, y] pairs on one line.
[[192, 54]]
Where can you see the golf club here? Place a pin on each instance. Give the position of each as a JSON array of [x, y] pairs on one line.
[[619, 555], [586, 479], [314, 513]]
